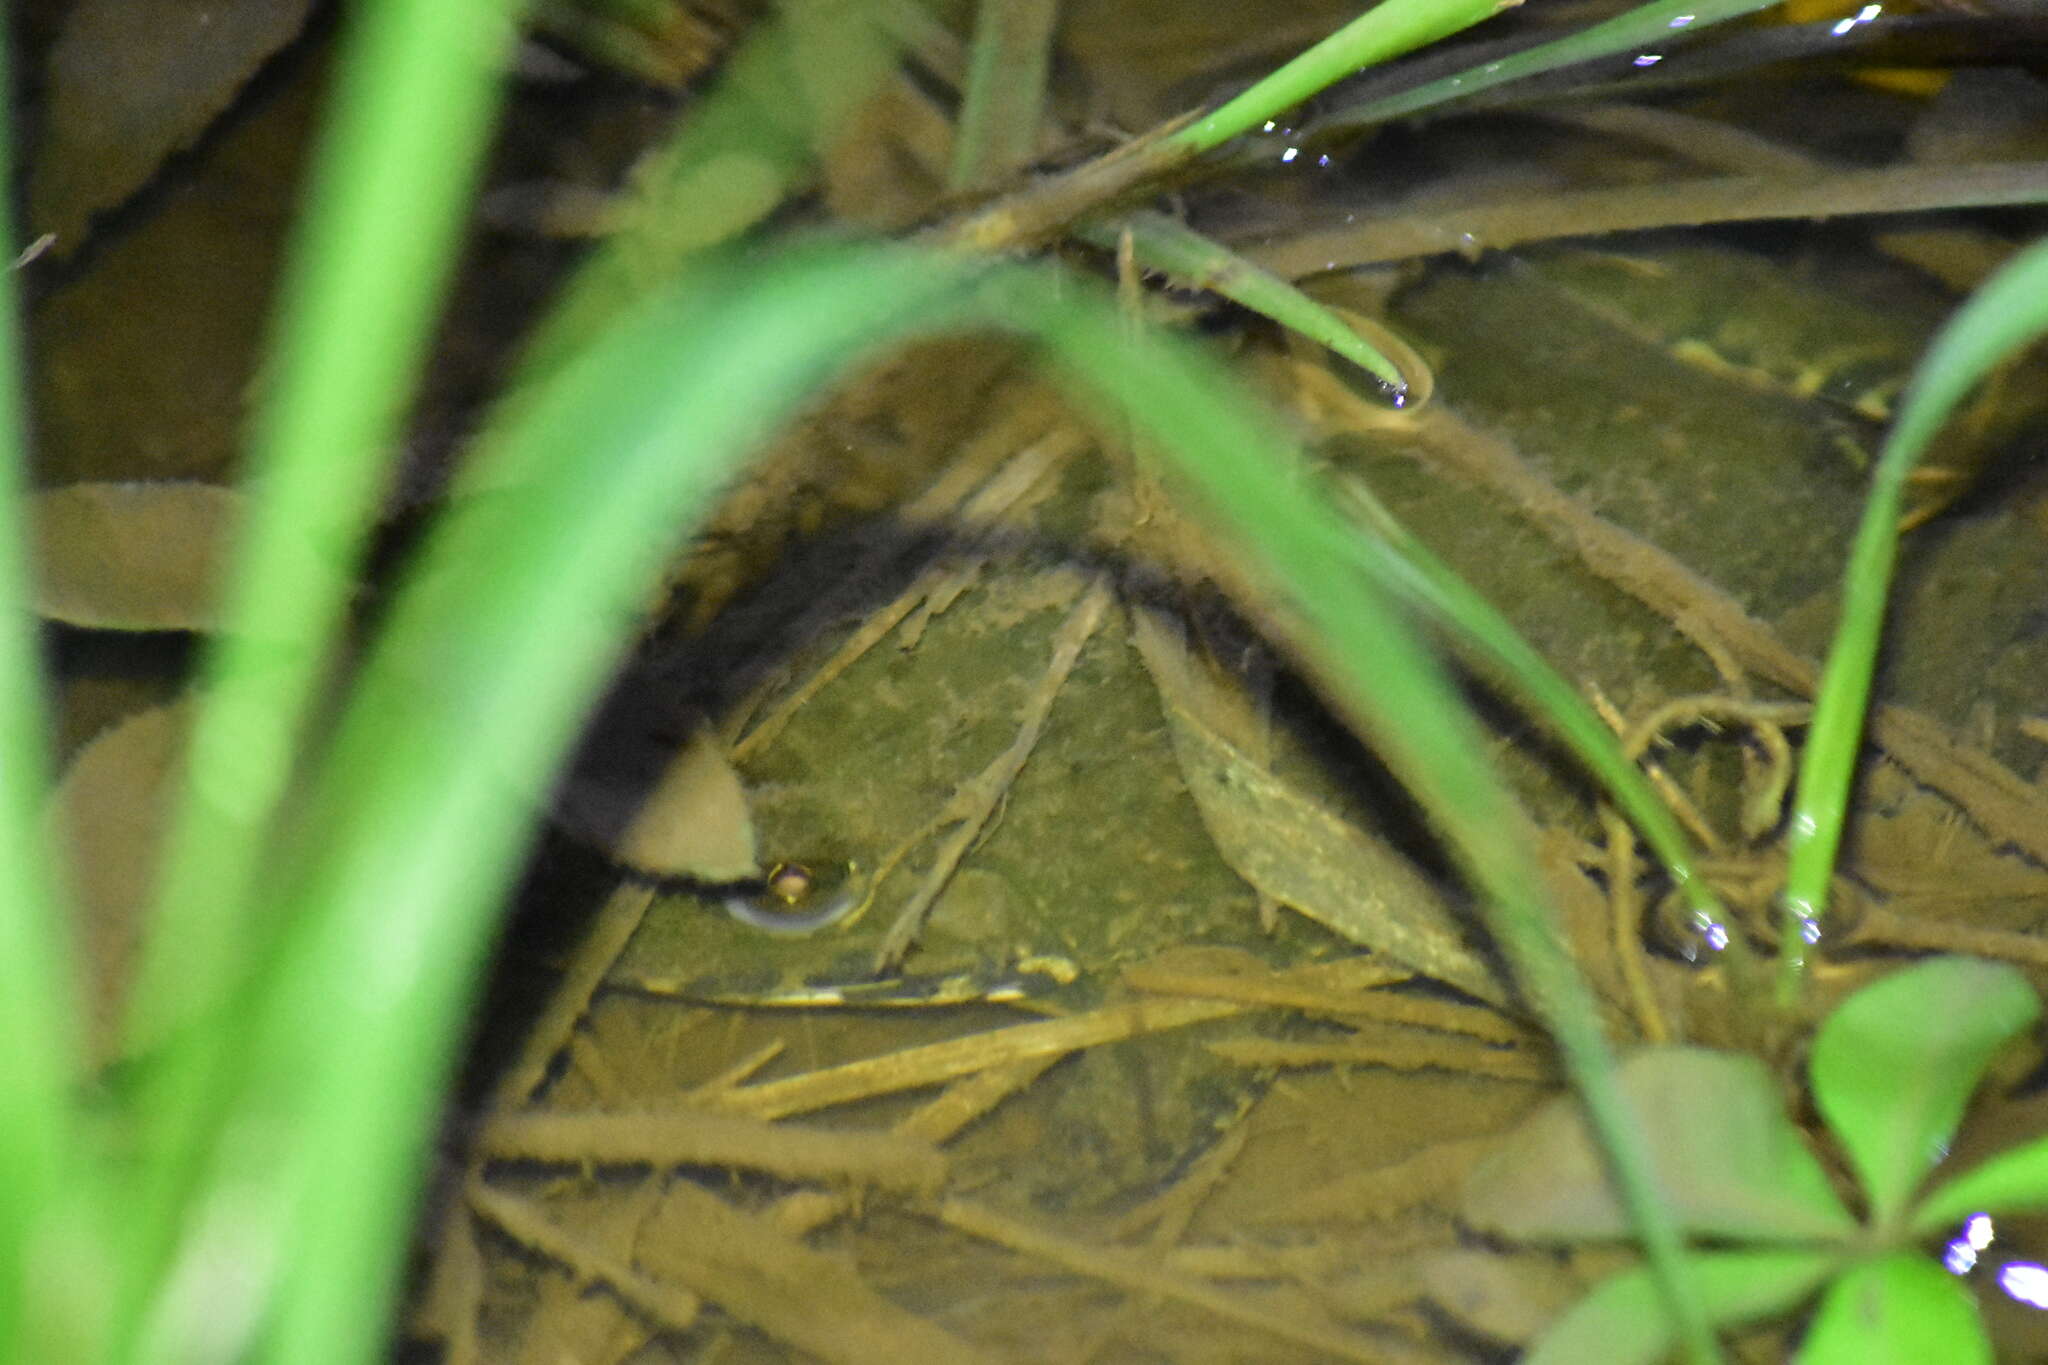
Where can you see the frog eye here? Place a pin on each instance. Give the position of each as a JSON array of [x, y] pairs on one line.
[[793, 899], [791, 882]]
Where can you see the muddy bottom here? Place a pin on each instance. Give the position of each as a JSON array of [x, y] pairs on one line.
[[1156, 1031]]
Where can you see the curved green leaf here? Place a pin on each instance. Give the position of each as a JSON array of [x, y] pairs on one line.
[[1622, 1322], [1895, 1063], [1900, 1309], [1160, 243]]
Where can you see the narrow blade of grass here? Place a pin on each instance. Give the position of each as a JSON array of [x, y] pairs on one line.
[[498, 641], [1161, 244], [416, 97], [1004, 102], [1383, 32], [1435, 587], [38, 1010], [1643, 27], [2006, 314]]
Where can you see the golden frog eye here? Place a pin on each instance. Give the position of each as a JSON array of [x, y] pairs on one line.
[[791, 882], [793, 899]]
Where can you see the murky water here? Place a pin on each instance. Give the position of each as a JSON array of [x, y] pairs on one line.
[[1088, 1077]]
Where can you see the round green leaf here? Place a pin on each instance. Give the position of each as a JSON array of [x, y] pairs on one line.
[[1899, 1310], [1895, 1063]]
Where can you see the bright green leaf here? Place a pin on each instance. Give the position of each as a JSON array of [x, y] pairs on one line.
[[1622, 1322], [1895, 1063], [2014, 1181], [1899, 1310], [1727, 1159], [1383, 32], [1641, 26]]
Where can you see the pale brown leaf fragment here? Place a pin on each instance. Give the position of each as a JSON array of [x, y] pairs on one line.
[[132, 81], [106, 819], [131, 556], [691, 822]]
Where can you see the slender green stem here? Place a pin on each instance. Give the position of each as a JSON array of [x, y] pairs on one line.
[[1643, 27], [417, 91], [1004, 102], [1433, 585], [2007, 313], [1162, 244], [1380, 677], [1383, 32]]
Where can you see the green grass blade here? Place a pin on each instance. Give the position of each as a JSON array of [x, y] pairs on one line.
[[1382, 679], [750, 141], [1644, 26], [1004, 102], [1380, 34], [2007, 313], [496, 645], [417, 86], [1414, 570], [1894, 1065], [378, 238], [39, 1012], [1161, 244]]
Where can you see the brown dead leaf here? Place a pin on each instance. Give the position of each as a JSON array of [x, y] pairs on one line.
[[106, 820], [131, 556], [1292, 848], [131, 82]]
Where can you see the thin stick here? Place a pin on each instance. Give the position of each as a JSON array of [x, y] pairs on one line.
[[971, 806], [616, 924], [1143, 1277]]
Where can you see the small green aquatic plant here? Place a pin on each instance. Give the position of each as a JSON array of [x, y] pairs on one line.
[[1891, 1071]]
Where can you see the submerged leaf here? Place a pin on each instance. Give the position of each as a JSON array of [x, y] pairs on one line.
[[131, 556], [1901, 1309], [1895, 1063], [1293, 849], [1623, 1322], [1728, 1160], [132, 81]]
